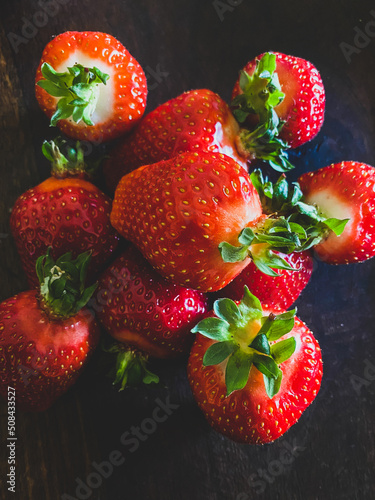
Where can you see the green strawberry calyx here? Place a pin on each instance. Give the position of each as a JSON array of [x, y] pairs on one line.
[[292, 225], [71, 163], [77, 91], [245, 336], [260, 94], [62, 284], [130, 368]]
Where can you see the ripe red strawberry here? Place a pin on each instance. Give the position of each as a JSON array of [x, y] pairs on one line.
[[344, 190], [186, 214], [148, 315], [252, 371], [281, 290], [303, 103], [195, 120], [65, 212], [90, 86], [46, 337]]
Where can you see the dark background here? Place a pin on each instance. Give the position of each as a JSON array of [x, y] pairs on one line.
[[183, 45]]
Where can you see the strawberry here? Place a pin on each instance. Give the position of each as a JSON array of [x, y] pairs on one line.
[[290, 98], [281, 290], [89, 85], [345, 190], [195, 120], [253, 370], [66, 212], [47, 336], [187, 214], [147, 314]]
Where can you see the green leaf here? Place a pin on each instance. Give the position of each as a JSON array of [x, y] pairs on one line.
[[272, 384], [280, 327], [218, 352], [283, 350], [227, 310], [260, 343], [266, 365], [213, 328], [336, 225], [237, 371], [231, 253], [249, 303], [77, 88]]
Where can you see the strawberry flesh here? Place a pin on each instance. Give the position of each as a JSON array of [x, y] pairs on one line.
[[344, 190]]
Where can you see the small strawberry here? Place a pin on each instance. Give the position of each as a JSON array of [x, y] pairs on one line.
[[195, 120], [186, 214], [148, 315], [47, 336], [253, 371], [290, 98], [281, 290], [90, 86], [65, 212], [345, 190]]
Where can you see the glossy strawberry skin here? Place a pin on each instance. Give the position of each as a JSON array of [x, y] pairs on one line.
[[304, 103], [195, 120], [68, 214], [344, 190], [140, 308], [41, 358], [128, 85], [282, 290], [178, 211], [249, 415]]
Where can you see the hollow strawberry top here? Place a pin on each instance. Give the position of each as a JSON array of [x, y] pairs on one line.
[[90, 86], [300, 111], [344, 190]]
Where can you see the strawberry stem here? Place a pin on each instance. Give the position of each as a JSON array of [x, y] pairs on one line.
[[62, 284], [131, 366], [77, 91], [70, 164], [260, 94], [242, 335]]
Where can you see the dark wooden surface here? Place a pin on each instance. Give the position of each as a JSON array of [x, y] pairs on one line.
[[183, 45]]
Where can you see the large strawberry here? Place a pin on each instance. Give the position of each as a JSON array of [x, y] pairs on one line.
[[66, 212], [286, 105], [90, 86], [198, 219], [184, 213], [148, 315], [281, 290], [344, 190], [47, 336], [253, 370], [195, 120]]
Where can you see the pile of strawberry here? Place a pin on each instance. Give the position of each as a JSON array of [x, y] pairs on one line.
[[212, 252]]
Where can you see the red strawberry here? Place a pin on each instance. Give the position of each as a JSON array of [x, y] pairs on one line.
[[66, 212], [47, 337], [303, 103], [253, 372], [90, 86], [142, 310], [187, 214], [281, 290], [195, 120], [344, 190]]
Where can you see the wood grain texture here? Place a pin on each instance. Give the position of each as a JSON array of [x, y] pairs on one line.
[[331, 451]]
